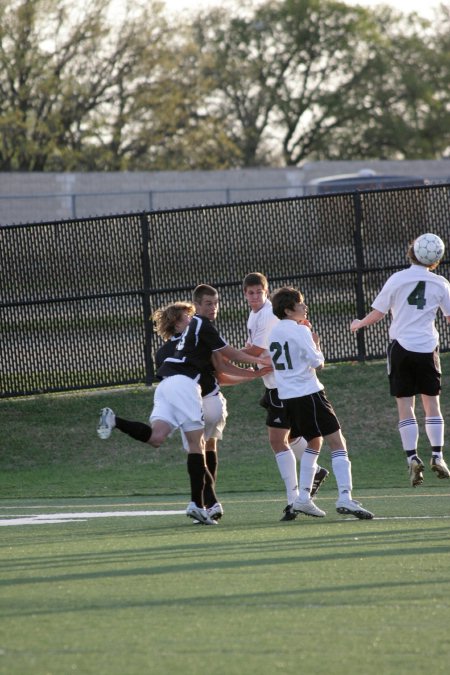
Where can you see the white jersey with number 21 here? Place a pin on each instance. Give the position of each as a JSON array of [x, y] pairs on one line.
[[295, 357]]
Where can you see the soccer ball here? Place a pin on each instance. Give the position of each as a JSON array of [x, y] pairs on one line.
[[428, 248]]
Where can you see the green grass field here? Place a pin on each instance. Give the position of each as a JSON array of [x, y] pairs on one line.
[[157, 594], [102, 573]]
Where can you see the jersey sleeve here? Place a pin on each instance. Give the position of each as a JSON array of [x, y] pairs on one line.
[[211, 337], [445, 304], [383, 301]]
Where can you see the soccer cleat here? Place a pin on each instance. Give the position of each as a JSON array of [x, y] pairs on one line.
[[415, 469], [350, 507], [320, 477], [106, 423], [307, 507], [215, 511], [288, 513], [199, 514], [439, 467]]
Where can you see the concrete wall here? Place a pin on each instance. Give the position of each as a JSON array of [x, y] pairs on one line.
[[38, 197]]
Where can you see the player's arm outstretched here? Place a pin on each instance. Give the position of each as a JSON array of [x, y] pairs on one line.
[[372, 317], [241, 356], [228, 373]]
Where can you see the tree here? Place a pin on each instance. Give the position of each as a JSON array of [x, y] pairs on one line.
[[404, 112], [66, 75], [80, 90], [171, 125], [282, 75], [319, 79], [281, 83]]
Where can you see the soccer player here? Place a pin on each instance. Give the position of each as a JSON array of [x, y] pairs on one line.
[[296, 355], [286, 450], [413, 296], [170, 322], [178, 400]]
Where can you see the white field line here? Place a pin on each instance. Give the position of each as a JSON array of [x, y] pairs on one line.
[[58, 518], [51, 518], [410, 517]]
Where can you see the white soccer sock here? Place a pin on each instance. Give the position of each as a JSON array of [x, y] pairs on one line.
[[409, 433], [342, 469], [298, 446], [287, 466], [308, 468], [434, 427]]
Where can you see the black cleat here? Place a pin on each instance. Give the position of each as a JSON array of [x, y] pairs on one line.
[[288, 513], [320, 477]]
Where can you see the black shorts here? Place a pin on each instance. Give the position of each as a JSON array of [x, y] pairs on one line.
[[311, 416], [276, 414], [412, 373]]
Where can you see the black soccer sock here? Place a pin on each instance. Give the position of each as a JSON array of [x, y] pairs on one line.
[[138, 430], [411, 453], [196, 470], [209, 493], [212, 462]]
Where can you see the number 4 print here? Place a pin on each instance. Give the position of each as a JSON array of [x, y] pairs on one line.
[[417, 296]]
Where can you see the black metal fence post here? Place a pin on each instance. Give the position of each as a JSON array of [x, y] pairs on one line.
[[149, 366], [360, 265]]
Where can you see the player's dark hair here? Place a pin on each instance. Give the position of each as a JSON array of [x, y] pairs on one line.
[[255, 279], [201, 290], [285, 298]]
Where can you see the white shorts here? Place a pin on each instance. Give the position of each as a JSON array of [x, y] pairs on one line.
[[178, 401], [215, 414]]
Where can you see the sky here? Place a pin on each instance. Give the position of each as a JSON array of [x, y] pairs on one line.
[[422, 7]]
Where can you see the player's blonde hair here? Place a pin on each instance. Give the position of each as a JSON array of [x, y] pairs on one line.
[[165, 318]]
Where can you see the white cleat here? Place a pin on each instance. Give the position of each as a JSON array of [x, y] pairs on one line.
[[350, 507], [199, 514], [307, 507], [415, 469], [106, 423], [216, 511], [439, 467]]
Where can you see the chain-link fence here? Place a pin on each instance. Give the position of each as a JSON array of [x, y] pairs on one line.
[[77, 296]]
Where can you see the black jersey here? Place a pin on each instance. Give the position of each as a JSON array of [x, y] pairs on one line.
[[208, 381], [167, 349], [192, 353]]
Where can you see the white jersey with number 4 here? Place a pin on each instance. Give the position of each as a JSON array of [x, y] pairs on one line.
[[295, 357], [414, 296], [259, 325]]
